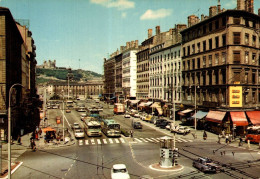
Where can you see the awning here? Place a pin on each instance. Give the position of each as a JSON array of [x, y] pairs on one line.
[[184, 112], [200, 115], [239, 118], [156, 105], [126, 100], [148, 103], [48, 129], [159, 109], [134, 101], [215, 116], [254, 117], [141, 104]]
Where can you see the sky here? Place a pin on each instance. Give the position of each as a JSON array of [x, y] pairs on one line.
[[81, 33]]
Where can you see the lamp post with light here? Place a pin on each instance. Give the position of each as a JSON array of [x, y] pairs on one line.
[[9, 129]]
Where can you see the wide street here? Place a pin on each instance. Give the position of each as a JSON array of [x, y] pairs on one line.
[[93, 157]]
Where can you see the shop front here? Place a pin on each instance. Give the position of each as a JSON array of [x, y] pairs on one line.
[[200, 118], [254, 117], [215, 123], [239, 123], [158, 109], [185, 116]]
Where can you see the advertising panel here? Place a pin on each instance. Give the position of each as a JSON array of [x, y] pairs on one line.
[[235, 96]]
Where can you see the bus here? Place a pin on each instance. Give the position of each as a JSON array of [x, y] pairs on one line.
[[110, 128], [119, 108], [253, 134], [92, 127]]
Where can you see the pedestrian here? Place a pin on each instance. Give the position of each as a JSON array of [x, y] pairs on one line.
[[240, 141], [40, 131], [233, 153], [221, 153], [36, 135], [131, 133], [204, 135], [19, 140], [219, 138], [224, 153], [227, 139]]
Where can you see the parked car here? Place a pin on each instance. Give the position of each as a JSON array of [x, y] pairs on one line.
[[76, 125], [168, 127], [136, 115], [163, 124], [159, 121], [205, 165], [181, 130], [142, 116], [119, 171], [148, 118], [127, 115], [55, 107], [154, 119], [137, 125], [79, 133], [68, 111]]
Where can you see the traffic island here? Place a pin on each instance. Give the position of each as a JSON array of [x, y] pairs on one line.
[[158, 167]]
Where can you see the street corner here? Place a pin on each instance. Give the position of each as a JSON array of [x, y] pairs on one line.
[[14, 167]]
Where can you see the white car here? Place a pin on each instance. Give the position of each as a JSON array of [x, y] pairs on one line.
[[119, 171], [136, 115], [127, 116], [79, 133], [181, 130], [55, 107], [76, 125]]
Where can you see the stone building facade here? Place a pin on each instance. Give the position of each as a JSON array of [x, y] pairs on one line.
[[219, 53]]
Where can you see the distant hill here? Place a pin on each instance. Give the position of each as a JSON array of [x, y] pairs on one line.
[[44, 75]]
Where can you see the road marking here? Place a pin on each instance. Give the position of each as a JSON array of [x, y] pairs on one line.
[[122, 140], [98, 141], [92, 141], [105, 141], [86, 142], [80, 142], [137, 140], [149, 139], [111, 141], [155, 139], [190, 140], [143, 140], [117, 141], [183, 140]]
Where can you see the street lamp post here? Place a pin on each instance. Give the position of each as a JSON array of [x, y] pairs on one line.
[[63, 118], [9, 129]]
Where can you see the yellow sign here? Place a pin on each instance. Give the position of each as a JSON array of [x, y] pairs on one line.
[[235, 96]]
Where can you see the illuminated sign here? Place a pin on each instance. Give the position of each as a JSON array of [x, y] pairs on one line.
[[235, 96]]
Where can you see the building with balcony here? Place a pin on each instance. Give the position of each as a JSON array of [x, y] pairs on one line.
[[109, 76]]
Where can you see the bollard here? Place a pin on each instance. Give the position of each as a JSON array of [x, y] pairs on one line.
[[248, 143]]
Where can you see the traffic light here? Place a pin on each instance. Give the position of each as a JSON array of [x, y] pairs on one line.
[[162, 154]]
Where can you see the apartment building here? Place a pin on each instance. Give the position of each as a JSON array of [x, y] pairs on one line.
[[109, 76]]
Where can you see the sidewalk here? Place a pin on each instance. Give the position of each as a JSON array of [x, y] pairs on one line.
[[17, 150]]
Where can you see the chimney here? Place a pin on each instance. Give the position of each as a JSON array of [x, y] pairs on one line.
[[150, 33], [157, 30], [202, 17], [241, 5], [136, 43], [212, 11], [219, 7], [192, 20], [132, 44], [127, 45], [121, 48], [250, 6]]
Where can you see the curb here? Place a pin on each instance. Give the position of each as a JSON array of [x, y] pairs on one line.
[[13, 170]]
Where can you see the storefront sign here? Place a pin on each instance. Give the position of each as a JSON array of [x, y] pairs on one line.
[[235, 96]]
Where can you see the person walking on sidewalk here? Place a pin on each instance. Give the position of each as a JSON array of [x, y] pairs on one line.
[[204, 135], [132, 134], [219, 138], [19, 140]]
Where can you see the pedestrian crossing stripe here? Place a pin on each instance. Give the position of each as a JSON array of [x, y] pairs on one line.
[[122, 140]]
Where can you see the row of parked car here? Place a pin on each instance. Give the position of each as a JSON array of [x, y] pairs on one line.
[[161, 122]]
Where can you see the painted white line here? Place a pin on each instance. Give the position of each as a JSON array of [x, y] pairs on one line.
[[143, 140], [98, 141], [122, 140], [105, 141], [80, 142], [155, 140], [137, 140], [117, 141], [183, 140], [92, 141], [149, 139], [190, 140], [86, 142], [111, 141]]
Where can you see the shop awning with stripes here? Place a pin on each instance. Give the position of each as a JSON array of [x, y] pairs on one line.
[[239, 118], [148, 103], [184, 112], [134, 101], [254, 117], [141, 104], [156, 104], [215, 116], [200, 115]]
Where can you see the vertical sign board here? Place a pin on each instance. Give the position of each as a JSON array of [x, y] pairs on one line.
[[235, 96]]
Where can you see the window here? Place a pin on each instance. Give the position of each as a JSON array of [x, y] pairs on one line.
[[224, 21], [193, 48], [198, 47], [223, 57], [216, 42], [188, 50], [236, 57], [246, 39], [183, 49], [179, 53], [210, 44], [236, 38], [198, 62], [204, 46], [224, 39], [175, 54], [216, 59], [210, 60], [236, 20], [246, 57], [210, 27], [193, 63], [253, 78], [246, 77], [216, 25], [253, 57], [236, 76], [204, 61], [253, 40], [204, 29]]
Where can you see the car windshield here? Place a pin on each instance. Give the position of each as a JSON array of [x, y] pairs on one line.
[[123, 170]]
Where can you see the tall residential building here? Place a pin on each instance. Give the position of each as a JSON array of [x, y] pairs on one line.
[[109, 76], [118, 76], [221, 60]]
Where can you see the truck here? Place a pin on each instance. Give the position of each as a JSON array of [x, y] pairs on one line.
[[119, 108]]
